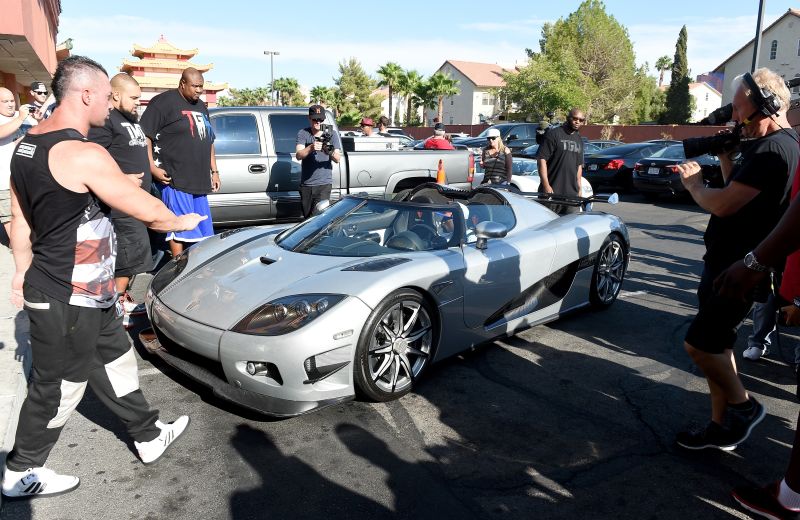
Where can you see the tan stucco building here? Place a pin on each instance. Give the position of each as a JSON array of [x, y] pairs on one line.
[[780, 52], [475, 102]]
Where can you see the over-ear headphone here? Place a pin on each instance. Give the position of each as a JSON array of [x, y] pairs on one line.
[[764, 99]]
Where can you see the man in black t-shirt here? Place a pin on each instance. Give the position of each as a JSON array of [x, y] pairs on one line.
[[180, 143], [742, 215], [560, 158], [125, 141], [316, 179]]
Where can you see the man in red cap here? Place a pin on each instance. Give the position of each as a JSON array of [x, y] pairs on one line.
[[366, 127]]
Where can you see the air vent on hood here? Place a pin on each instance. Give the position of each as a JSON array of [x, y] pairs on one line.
[[379, 264], [267, 260]]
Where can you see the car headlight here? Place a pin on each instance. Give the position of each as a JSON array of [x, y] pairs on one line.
[[286, 314]]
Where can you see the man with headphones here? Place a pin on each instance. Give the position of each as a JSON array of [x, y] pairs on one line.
[[743, 213]]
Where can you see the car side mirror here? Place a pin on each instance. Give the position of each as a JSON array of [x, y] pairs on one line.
[[512, 137], [321, 206], [487, 230]]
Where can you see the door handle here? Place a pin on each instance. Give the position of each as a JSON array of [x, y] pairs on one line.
[[257, 168]]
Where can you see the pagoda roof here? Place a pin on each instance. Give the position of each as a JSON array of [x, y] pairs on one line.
[[167, 82], [163, 63], [162, 46]]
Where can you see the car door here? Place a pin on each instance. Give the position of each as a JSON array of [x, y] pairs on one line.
[[525, 136], [242, 166]]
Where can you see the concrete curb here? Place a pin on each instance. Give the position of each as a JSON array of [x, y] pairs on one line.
[[15, 358]]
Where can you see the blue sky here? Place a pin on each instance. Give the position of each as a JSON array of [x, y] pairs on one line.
[[314, 38]]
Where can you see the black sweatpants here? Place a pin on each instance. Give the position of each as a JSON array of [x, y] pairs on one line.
[[72, 346]]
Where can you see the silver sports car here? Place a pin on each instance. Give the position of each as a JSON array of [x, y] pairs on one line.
[[363, 296]]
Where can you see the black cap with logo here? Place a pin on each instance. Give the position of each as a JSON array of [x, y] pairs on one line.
[[316, 112]]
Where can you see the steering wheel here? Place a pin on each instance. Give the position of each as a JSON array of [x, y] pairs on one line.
[[425, 231]]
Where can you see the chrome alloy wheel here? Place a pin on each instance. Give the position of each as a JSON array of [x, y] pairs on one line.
[[610, 272], [400, 346]]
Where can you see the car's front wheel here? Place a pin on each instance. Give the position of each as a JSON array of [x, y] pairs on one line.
[[395, 346], [609, 271]]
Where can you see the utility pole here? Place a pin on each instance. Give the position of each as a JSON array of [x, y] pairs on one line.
[[757, 40], [271, 75]]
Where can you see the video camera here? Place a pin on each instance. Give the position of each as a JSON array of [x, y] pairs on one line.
[[326, 138]]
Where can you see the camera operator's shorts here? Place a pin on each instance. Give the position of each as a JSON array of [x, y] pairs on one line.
[[718, 318], [182, 203], [5, 206], [133, 247]]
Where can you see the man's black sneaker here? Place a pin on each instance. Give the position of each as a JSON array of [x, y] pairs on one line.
[[713, 435], [763, 501], [743, 422]]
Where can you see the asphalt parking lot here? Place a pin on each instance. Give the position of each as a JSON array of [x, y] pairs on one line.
[[574, 419]]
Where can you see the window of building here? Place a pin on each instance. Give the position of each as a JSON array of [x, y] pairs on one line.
[[773, 49], [798, 47], [487, 99], [706, 96], [236, 134], [451, 120]]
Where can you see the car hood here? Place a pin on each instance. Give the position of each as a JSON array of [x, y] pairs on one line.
[[222, 284]]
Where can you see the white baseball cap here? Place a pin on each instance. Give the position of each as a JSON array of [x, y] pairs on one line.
[[493, 132]]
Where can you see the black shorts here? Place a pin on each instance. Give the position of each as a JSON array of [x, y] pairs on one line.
[[133, 247], [714, 327]]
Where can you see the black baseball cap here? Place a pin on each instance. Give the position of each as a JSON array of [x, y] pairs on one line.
[[38, 85], [316, 112], [439, 126]]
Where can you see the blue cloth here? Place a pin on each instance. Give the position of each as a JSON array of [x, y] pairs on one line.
[[184, 203]]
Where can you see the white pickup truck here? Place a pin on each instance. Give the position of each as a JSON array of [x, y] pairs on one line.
[[260, 176]]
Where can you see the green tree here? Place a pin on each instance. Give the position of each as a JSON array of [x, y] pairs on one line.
[[406, 86], [663, 64], [322, 95], [354, 91], [390, 75], [288, 90], [586, 60], [424, 97], [245, 97], [441, 86], [646, 98], [679, 101]]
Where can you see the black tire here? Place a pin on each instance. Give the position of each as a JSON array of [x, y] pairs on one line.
[[651, 196], [389, 358], [609, 271]]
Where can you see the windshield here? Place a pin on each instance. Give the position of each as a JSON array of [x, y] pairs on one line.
[[361, 227], [670, 152], [525, 167]]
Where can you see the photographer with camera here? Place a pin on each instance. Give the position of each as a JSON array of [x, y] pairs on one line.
[[742, 214], [316, 146]]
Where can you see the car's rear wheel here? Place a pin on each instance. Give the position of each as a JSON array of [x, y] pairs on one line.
[[395, 347], [609, 271]]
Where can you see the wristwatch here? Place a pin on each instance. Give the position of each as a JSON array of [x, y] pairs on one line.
[[751, 262]]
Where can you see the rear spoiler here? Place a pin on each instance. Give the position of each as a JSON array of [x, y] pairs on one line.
[[567, 200]]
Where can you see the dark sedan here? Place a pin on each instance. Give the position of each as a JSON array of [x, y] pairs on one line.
[[531, 151], [515, 135], [658, 174], [612, 167]]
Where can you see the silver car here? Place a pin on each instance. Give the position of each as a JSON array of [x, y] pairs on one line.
[[364, 296]]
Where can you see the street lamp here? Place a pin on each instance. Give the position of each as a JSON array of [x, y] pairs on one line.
[[271, 75]]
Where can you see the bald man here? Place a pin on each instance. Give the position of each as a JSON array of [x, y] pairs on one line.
[[180, 143], [125, 141], [10, 121]]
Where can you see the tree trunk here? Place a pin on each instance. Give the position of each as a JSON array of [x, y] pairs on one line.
[[441, 109], [391, 114]]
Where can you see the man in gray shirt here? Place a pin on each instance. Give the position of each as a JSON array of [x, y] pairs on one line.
[[316, 167]]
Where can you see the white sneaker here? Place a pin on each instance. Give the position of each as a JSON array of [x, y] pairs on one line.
[[37, 482], [754, 353], [151, 451]]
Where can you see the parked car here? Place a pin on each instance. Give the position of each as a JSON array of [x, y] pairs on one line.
[[605, 143], [665, 142], [612, 167], [396, 131], [525, 177], [370, 292], [658, 174], [515, 135], [255, 149]]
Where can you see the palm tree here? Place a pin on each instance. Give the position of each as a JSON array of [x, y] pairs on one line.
[[406, 86], [424, 97], [321, 95], [288, 91], [662, 64], [390, 75], [442, 86]]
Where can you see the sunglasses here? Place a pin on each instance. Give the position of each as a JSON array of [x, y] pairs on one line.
[[491, 138], [578, 119], [40, 92]]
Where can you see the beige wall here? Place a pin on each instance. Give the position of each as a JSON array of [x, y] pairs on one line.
[[786, 62], [466, 107], [706, 100]]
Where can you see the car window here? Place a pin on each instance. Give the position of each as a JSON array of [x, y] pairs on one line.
[[236, 134], [284, 130], [670, 152]]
